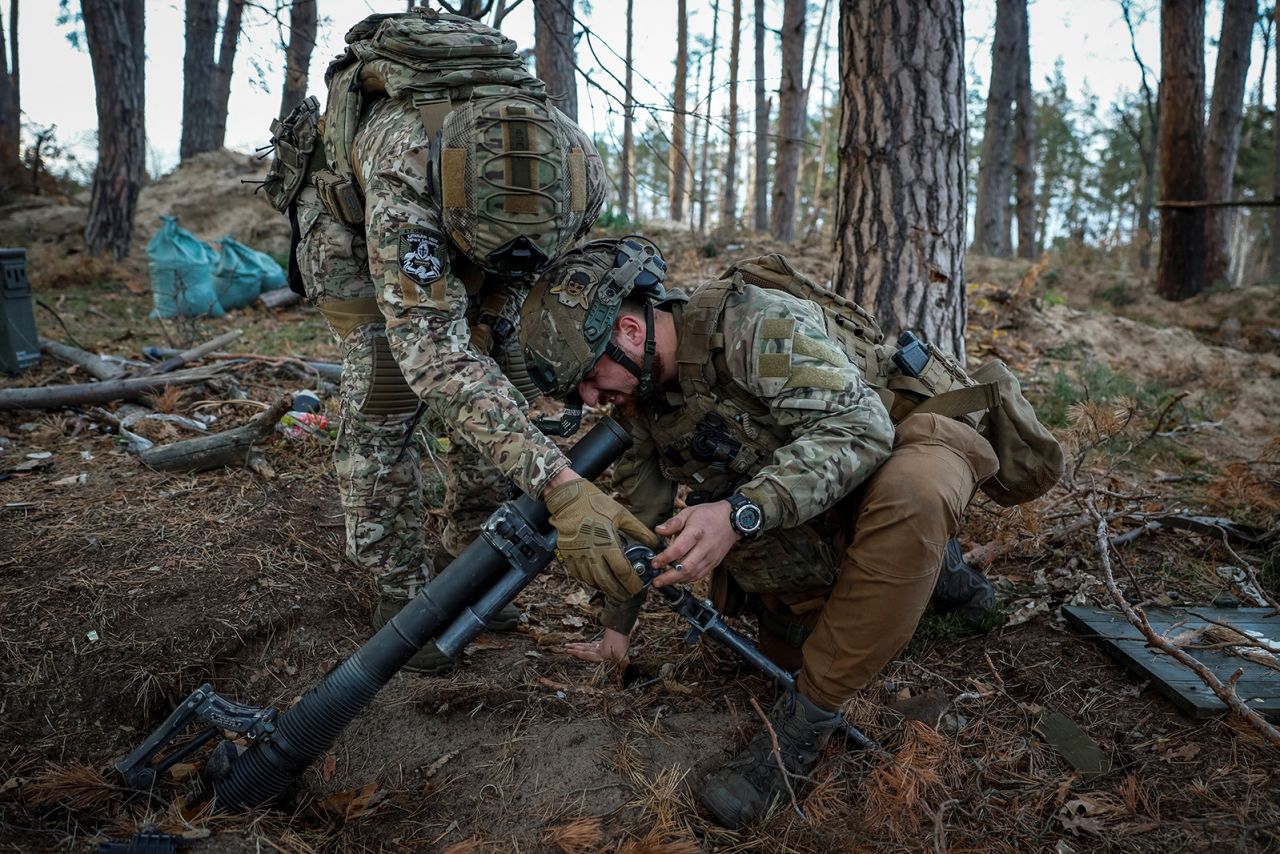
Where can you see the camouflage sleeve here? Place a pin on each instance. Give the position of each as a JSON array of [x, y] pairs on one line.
[[425, 305], [840, 430], [651, 497]]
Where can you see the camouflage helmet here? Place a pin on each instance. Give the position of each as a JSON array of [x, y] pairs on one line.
[[518, 182], [566, 323]]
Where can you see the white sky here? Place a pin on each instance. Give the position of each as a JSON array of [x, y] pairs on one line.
[[58, 83]]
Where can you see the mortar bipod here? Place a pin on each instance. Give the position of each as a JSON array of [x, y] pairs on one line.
[[206, 705]]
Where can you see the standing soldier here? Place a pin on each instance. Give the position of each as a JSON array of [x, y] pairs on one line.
[[814, 509], [437, 182]]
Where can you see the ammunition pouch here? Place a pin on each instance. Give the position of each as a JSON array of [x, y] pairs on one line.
[[294, 147], [340, 197]]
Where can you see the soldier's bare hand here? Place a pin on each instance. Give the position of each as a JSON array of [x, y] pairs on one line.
[[612, 647], [698, 538]]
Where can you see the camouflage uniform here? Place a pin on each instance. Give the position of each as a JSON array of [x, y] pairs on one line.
[[855, 517], [417, 340]]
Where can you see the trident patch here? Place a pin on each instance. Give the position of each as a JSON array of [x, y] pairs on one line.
[[421, 256]]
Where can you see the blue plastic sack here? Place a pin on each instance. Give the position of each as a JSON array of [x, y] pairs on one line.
[[273, 275], [181, 273], [237, 279]]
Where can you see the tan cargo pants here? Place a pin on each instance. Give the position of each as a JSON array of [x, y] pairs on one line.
[[904, 515]]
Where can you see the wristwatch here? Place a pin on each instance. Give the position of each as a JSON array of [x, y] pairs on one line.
[[745, 516]]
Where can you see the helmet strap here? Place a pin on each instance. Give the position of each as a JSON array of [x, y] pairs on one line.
[[644, 372]]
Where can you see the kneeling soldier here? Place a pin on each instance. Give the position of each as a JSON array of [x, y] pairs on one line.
[[803, 495]]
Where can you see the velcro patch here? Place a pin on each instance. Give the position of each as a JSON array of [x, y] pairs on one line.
[[777, 327], [774, 365], [807, 377], [803, 345], [453, 177]]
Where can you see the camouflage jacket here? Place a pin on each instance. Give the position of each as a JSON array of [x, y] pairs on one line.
[[425, 301], [781, 416]]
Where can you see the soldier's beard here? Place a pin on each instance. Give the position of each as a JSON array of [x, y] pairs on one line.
[[633, 408]]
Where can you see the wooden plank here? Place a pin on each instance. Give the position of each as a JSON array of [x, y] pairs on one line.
[[1259, 685]]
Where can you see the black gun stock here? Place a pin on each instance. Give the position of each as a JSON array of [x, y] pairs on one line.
[[516, 544], [704, 619]]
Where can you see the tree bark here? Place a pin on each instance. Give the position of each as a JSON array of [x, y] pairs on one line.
[[1222, 138], [10, 119], [1275, 170], [1182, 237], [990, 227], [222, 71], [1024, 145], [198, 122], [230, 447], [761, 194], [677, 158], [115, 30], [553, 52], [628, 126], [791, 111], [703, 182], [729, 192], [15, 66], [899, 222], [302, 40]]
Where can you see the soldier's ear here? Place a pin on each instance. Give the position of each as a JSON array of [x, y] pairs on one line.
[[630, 329]]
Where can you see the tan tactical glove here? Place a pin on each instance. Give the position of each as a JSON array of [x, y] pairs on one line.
[[589, 523]]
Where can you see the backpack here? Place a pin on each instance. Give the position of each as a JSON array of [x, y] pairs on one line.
[[916, 377], [470, 87]]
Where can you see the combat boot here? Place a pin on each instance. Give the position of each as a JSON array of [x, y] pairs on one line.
[[961, 589], [747, 786]]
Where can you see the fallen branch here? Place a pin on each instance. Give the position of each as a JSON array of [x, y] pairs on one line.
[[179, 359], [328, 370], [95, 366], [1251, 575], [1138, 619], [280, 298], [135, 388], [230, 447]]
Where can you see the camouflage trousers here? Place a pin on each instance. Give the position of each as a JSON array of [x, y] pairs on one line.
[[378, 460]]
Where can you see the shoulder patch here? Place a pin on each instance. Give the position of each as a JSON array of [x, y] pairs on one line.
[[803, 345], [421, 256]]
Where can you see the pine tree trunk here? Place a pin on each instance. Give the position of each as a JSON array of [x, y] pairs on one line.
[[628, 127], [198, 122], [553, 52], [15, 66], [1222, 139], [114, 30], [222, 72], [1182, 238], [677, 157], [703, 182], [1024, 145], [729, 195], [990, 228], [899, 221], [302, 40], [761, 193], [1275, 170], [782, 222], [10, 123], [817, 209]]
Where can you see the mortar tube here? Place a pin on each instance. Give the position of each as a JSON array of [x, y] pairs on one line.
[[304, 732]]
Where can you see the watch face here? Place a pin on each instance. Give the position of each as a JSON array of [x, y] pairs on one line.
[[748, 517]]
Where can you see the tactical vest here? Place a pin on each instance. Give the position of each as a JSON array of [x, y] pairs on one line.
[[719, 439]]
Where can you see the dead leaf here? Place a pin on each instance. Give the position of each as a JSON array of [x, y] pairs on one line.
[[181, 771], [1186, 752], [574, 620], [1076, 816], [579, 598], [327, 767], [72, 480], [354, 804]]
